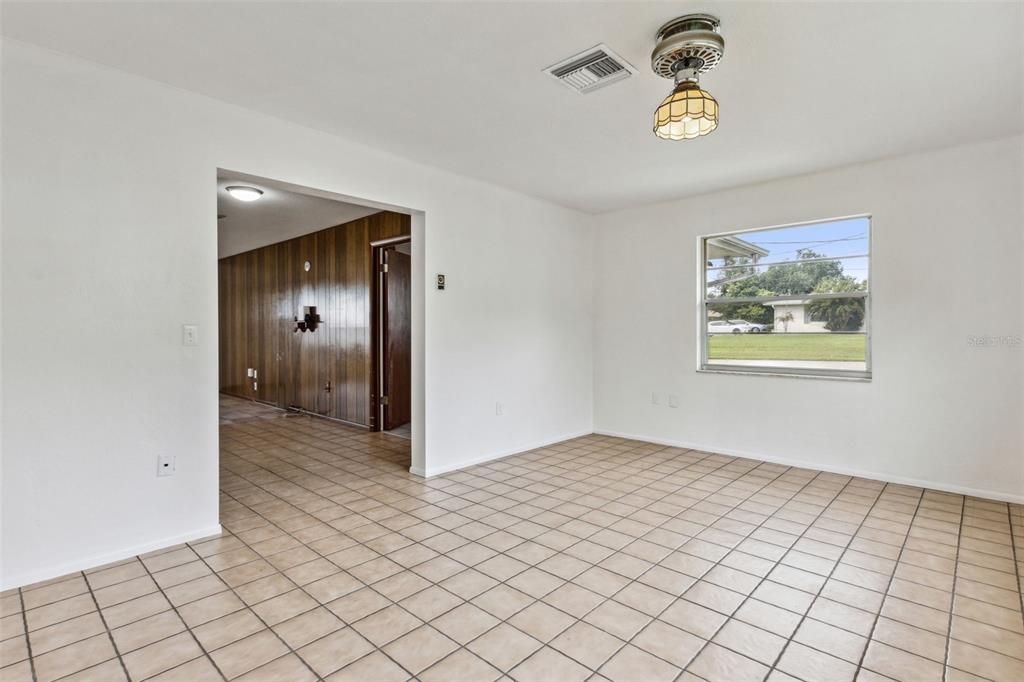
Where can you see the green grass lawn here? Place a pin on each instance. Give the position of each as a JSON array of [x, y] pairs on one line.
[[786, 347]]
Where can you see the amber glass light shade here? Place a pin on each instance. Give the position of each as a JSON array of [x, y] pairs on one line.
[[687, 113]]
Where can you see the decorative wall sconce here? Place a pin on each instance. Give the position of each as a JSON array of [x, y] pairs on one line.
[[310, 320]]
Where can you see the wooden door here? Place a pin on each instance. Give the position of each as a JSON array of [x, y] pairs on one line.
[[397, 340]]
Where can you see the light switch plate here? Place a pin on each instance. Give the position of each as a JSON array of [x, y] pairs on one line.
[[190, 334]]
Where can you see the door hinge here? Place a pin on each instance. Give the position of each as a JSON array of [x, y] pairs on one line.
[[383, 400], [385, 268]]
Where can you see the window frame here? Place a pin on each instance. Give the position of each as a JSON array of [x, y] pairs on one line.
[[806, 373]]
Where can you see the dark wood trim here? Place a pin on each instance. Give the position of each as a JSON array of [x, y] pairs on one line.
[[376, 336]]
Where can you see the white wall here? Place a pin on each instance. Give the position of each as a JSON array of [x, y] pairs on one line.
[[110, 245], [948, 233]]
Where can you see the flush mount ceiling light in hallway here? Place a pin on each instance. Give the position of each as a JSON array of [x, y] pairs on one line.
[[687, 47], [243, 193]]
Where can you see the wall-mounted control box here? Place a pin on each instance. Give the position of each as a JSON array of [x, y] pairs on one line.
[[440, 282]]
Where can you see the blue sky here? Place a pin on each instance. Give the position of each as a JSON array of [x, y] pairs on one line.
[[834, 238]]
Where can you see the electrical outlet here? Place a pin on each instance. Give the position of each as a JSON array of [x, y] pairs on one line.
[[165, 465], [499, 409], [655, 399], [673, 400], [190, 334]]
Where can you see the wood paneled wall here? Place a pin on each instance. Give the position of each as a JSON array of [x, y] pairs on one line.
[[262, 291]]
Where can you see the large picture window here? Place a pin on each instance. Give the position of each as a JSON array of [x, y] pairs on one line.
[[788, 300]]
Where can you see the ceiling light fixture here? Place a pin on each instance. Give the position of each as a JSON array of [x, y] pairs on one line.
[[243, 193], [687, 47]]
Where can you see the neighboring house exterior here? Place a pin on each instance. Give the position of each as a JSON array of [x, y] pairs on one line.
[[803, 321]]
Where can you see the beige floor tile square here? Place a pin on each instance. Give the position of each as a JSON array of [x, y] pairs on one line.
[[504, 646], [587, 645], [375, 666], [230, 628], [421, 648], [57, 612], [146, 631], [503, 601], [160, 656], [115, 574], [573, 599], [693, 618], [465, 623], [676, 646], [911, 639], [549, 665], [288, 667], [134, 610], [988, 636], [900, 665], [631, 664], [193, 671], [716, 663], [752, 642], [541, 621], [842, 616], [617, 619], [310, 626], [303, 574], [386, 625], [807, 663], [13, 650], [335, 651], [72, 658], [332, 587], [469, 583], [831, 640], [401, 585], [66, 632], [210, 608], [194, 590], [460, 665], [54, 592], [984, 663], [430, 603], [358, 605], [537, 583]]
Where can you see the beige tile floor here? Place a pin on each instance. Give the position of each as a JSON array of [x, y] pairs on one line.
[[598, 558]]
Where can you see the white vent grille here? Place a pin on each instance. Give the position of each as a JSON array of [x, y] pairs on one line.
[[591, 69]]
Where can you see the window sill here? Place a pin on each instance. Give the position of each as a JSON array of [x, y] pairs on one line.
[[860, 377]]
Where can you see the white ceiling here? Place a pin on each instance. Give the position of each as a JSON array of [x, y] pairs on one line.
[[278, 215], [803, 86]]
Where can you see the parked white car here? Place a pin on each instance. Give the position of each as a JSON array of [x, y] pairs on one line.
[[735, 327]]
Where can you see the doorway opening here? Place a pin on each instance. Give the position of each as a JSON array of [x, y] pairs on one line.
[[316, 307], [392, 336]]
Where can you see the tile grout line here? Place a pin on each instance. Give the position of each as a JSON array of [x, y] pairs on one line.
[[1017, 559], [952, 589], [28, 641]]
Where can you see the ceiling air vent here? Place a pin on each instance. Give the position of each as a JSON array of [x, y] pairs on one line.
[[591, 69]]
